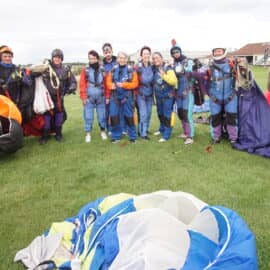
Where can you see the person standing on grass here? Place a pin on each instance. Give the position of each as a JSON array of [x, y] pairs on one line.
[[109, 61], [59, 80], [92, 95], [122, 80], [145, 91], [184, 95], [164, 85], [220, 82]]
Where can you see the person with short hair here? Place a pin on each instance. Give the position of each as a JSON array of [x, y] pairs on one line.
[[144, 95], [164, 85], [122, 80], [92, 95]]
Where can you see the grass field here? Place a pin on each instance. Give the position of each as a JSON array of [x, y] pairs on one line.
[[43, 184]]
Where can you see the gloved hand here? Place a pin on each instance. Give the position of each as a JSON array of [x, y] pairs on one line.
[[71, 91]]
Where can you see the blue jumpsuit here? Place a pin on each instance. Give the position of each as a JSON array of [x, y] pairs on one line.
[[122, 104], [145, 96], [223, 98], [184, 97], [95, 99], [164, 94]]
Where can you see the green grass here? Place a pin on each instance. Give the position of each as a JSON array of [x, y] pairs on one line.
[[43, 184]]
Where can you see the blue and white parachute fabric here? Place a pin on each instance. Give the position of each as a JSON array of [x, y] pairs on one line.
[[163, 230]]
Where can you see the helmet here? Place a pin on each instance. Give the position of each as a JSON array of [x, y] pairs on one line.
[[59, 53], [221, 56], [175, 47]]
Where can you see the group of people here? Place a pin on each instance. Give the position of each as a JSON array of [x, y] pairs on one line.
[[114, 88]]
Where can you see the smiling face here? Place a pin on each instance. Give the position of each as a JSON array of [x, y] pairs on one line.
[[157, 60], [57, 61], [146, 56], [92, 59], [6, 58], [218, 52], [122, 59], [176, 54], [108, 53]]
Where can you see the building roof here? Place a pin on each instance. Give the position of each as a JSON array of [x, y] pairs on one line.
[[252, 49]]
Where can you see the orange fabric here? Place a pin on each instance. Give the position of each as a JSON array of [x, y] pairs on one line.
[[9, 109], [6, 49], [267, 96], [126, 85], [83, 85]]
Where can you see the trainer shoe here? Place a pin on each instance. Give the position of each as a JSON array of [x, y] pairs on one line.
[[103, 135], [188, 141], [182, 136], [157, 133], [88, 138], [161, 140], [132, 141], [115, 141]]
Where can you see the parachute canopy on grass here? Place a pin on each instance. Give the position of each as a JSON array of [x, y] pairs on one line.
[[160, 230]]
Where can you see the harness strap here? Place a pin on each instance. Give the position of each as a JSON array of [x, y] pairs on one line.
[[221, 79], [221, 102]]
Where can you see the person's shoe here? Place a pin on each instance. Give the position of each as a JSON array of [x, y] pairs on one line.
[[115, 141], [88, 138], [146, 138], [43, 140], [232, 142], [132, 141], [58, 134], [215, 141], [161, 140], [59, 138], [103, 135], [182, 136], [157, 133], [189, 141], [110, 133], [124, 133]]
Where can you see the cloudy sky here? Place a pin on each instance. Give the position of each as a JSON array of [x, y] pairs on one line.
[[33, 28]]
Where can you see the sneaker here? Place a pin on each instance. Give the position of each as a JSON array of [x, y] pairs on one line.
[[162, 140], [132, 141], [124, 133], [110, 133], [182, 136], [232, 142], [215, 141], [157, 133], [115, 141], [43, 140], [59, 138], [88, 138], [188, 141], [103, 135], [146, 138]]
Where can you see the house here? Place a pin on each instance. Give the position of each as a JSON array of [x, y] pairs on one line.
[[255, 53]]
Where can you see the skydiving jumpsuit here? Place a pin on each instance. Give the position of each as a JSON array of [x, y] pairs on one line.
[[145, 96], [164, 89], [222, 97], [122, 100], [92, 90], [67, 84], [184, 96]]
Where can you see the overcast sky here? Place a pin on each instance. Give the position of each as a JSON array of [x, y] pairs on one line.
[[32, 28]]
